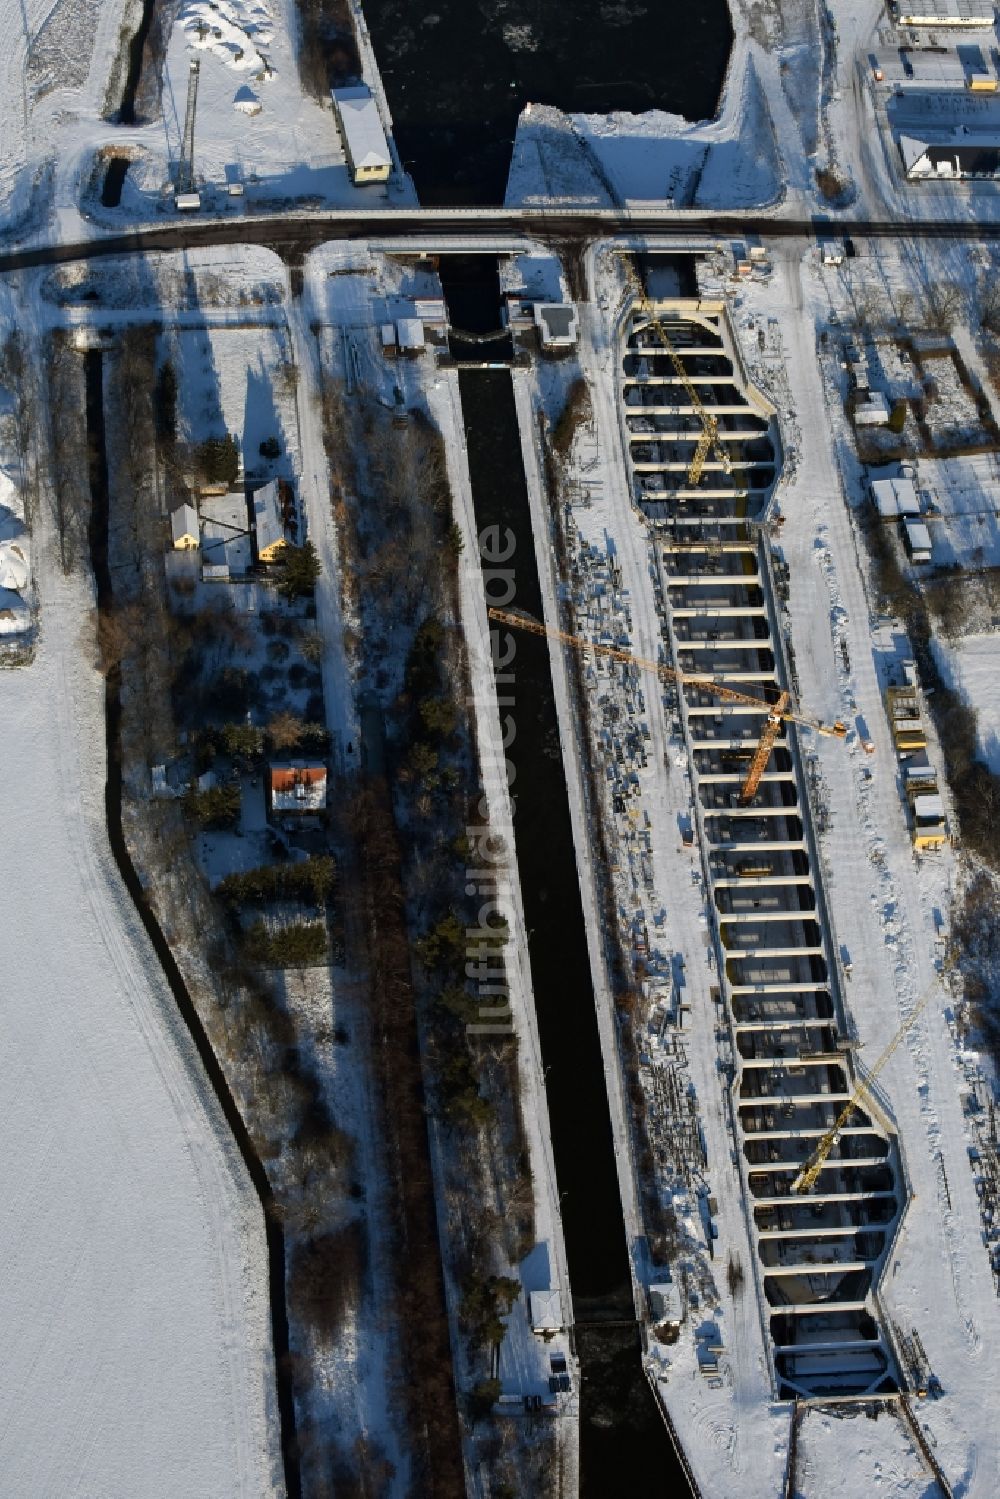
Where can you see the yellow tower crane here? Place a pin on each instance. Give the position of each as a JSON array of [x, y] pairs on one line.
[[709, 439], [777, 712], [814, 1165]]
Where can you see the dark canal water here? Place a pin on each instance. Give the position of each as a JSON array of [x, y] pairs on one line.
[[623, 1440], [459, 72]]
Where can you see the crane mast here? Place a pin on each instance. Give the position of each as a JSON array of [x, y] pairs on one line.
[[709, 439], [814, 1165], [185, 170]]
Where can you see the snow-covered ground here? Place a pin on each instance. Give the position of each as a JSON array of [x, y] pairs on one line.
[[889, 908], [134, 1294], [61, 77], [881, 1442], [971, 665]]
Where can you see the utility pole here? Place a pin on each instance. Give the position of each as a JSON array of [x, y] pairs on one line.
[[185, 171]]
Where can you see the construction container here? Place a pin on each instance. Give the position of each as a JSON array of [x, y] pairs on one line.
[[929, 827], [904, 720]]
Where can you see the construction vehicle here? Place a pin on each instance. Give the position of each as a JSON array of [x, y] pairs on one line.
[[709, 439], [861, 1095], [777, 713]]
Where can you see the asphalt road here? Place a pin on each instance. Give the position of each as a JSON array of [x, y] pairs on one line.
[[292, 237]]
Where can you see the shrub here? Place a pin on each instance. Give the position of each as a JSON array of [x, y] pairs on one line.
[[310, 880], [242, 739], [165, 403], [483, 1397], [831, 184], [216, 807], [439, 716], [576, 410], [423, 761], [285, 731], [325, 1277], [300, 571], [218, 460], [295, 946]]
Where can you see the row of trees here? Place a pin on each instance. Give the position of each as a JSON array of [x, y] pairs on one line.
[[310, 880], [392, 501]]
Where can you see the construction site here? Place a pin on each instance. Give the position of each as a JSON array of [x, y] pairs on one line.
[[786, 1093], [825, 1191]]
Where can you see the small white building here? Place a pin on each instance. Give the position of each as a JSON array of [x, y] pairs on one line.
[[557, 324], [918, 541], [895, 497], [364, 139], [872, 410], [956, 152], [184, 528], [409, 335], [545, 1309], [665, 1303], [431, 311]]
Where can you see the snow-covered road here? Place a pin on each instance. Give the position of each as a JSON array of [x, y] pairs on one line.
[[133, 1293]]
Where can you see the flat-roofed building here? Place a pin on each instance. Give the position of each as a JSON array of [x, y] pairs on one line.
[[956, 152], [972, 14], [918, 541], [556, 323], [364, 139], [409, 335], [895, 496]]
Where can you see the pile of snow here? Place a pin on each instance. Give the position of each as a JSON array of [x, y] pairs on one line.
[[14, 569], [15, 616], [232, 31], [614, 158], [246, 101]]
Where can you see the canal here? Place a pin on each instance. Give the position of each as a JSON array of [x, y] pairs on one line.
[[623, 1438], [457, 74]]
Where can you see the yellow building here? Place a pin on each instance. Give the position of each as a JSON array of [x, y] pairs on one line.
[[364, 139], [269, 528], [184, 528]]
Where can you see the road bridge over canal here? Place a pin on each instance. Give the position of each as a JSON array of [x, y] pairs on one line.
[[471, 230]]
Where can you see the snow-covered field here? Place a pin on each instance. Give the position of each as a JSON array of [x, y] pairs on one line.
[[971, 666], [134, 1292]]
